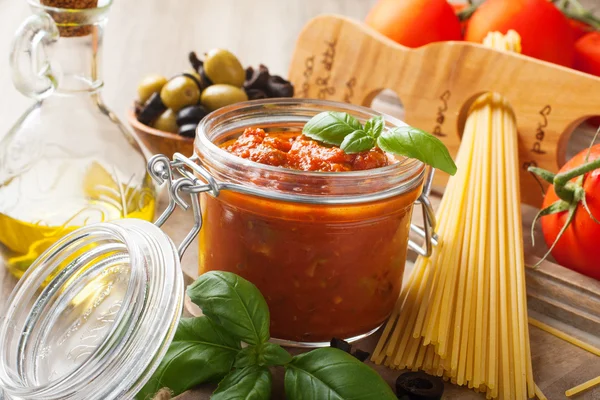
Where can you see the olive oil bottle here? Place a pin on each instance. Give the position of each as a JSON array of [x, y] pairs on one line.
[[68, 161], [32, 217]]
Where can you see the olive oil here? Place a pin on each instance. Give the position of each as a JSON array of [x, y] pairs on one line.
[[31, 222]]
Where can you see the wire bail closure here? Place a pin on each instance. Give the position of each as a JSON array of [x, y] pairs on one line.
[[428, 234], [179, 175], [180, 180]]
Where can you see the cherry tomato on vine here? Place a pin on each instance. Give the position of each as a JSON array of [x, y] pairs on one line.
[[587, 53], [545, 32], [578, 248], [415, 23], [579, 28]]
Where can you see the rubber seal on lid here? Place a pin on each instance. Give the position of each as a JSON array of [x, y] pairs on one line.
[[93, 316]]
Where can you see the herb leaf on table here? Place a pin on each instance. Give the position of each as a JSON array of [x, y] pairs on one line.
[[233, 303], [264, 355], [271, 354], [250, 383], [200, 352], [330, 373], [208, 348], [246, 357]]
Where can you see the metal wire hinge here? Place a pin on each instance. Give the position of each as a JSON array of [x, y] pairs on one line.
[[179, 177], [429, 223]]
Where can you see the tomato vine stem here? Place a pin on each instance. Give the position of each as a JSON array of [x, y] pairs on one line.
[[574, 10], [570, 194]]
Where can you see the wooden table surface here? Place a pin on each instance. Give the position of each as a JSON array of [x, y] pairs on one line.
[[155, 36]]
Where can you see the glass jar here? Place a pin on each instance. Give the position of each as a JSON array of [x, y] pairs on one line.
[[68, 161], [103, 324], [327, 250]]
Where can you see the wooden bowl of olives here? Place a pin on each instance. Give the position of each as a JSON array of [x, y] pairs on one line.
[[161, 142], [168, 111]]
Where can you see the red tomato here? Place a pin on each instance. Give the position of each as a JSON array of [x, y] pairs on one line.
[[579, 28], [578, 248], [415, 23], [545, 31], [587, 59], [587, 53]]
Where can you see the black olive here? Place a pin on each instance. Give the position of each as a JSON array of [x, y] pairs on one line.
[[151, 110], [361, 355], [249, 73], [258, 79], [341, 344], [278, 79], [419, 386], [205, 79], [191, 115], [279, 87], [195, 61], [255, 94], [137, 108], [197, 78], [188, 130]]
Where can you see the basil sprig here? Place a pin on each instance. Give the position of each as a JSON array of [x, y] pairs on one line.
[[209, 349], [343, 130]]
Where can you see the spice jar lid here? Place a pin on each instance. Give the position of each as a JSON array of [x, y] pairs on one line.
[[94, 315]]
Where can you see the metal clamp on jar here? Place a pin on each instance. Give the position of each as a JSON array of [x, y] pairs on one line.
[[94, 315]]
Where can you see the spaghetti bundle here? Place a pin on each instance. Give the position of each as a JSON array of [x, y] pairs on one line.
[[463, 313]]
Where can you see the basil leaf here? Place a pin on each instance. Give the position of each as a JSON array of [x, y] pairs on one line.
[[375, 126], [250, 383], [265, 354], [270, 354], [246, 357], [332, 374], [356, 142], [415, 143], [200, 352], [331, 127], [234, 303]]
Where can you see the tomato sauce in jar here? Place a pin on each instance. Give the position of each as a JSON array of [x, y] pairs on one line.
[[326, 268]]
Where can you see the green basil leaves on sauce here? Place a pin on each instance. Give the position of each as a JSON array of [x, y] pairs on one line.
[[343, 130]]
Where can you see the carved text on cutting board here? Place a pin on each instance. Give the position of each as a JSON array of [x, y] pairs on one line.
[[309, 66], [349, 90], [319, 71], [323, 82], [541, 130], [441, 114]]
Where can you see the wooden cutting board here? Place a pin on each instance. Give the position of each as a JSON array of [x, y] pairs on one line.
[[337, 58]]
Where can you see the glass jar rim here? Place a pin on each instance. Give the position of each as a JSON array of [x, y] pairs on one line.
[[406, 174]]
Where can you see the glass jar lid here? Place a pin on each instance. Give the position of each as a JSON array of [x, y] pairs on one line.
[[93, 316]]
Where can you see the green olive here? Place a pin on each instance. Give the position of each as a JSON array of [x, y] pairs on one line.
[[217, 96], [167, 121], [179, 92], [221, 66], [150, 85]]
